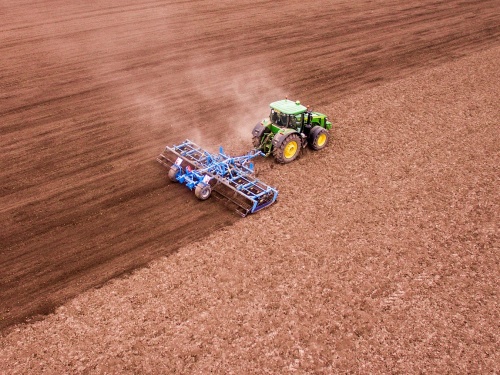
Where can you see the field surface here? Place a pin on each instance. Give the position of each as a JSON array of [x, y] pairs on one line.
[[382, 254]]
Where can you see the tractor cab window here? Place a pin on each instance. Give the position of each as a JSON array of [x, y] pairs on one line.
[[299, 120], [279, 118], [285, 120], [273, 116]]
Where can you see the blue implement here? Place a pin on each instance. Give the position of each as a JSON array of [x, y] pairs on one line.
[[230, 179]]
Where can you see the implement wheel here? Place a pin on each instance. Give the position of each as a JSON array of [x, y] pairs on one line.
[[202, 191], [172, 172], [288, 150], [318, 138]]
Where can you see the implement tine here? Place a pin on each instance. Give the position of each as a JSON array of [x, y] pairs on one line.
[[231, 178], [227, 201]]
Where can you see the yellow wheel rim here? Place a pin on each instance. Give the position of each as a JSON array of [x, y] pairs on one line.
[[290, 149], [321, 139]]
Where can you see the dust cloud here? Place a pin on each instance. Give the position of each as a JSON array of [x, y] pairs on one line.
[[214, 98], [241, 92]]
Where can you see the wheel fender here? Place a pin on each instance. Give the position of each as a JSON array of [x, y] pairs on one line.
[[314, 132], [258, 130], [281, 136], [278, 139]]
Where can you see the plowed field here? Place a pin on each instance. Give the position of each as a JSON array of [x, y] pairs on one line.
[[91, 93]]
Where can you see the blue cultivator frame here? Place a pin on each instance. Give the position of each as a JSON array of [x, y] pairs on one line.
[[230, 179]]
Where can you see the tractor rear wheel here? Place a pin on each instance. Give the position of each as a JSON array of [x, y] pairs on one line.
[[257, 134], [318, 138], [172, 172], [288, 150], [256, 142], [202, 191]]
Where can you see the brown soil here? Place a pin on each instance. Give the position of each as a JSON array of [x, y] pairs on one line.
[[382, 253]]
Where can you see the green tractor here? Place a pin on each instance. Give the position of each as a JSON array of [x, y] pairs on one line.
[[290, 127]]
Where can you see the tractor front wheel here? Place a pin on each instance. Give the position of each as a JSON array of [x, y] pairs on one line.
[[288, 150], [318, 138], [202, 191]]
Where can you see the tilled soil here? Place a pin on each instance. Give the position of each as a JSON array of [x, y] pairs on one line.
[[382, 253], [381, 256]]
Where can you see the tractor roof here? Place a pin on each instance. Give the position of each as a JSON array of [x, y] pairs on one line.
[[288, 106]]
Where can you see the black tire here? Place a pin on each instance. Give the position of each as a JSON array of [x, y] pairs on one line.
[[256, 142], [257, 134], [318, 138], [288, 150], [202, 191], [172, 172]]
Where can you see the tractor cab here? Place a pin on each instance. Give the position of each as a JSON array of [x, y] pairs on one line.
[[286, 120], [288, 114], [290, 127]]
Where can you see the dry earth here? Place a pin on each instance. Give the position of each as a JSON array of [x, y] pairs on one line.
[[381, 255]]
